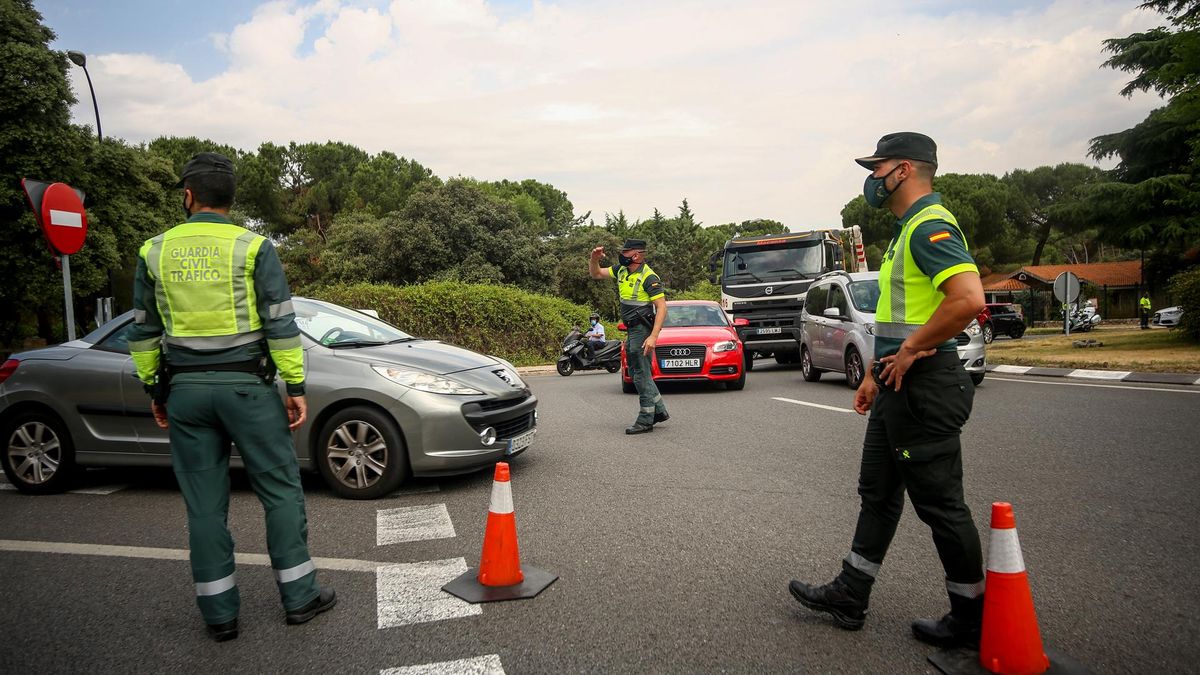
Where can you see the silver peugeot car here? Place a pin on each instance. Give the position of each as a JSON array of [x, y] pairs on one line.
[[382, 404]]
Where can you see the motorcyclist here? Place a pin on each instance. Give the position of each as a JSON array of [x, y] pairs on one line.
[[595, 336]]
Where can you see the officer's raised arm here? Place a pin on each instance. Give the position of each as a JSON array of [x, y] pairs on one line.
[[594, 268]]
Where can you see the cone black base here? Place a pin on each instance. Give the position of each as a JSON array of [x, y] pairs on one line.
[[467, 586], [966, 662]]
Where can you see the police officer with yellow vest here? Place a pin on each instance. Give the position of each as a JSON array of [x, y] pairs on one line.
[[213, 321], [919, 398], [643, 309], [1146, 307]]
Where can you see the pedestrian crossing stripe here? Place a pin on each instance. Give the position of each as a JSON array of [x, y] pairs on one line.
[[478, 665]]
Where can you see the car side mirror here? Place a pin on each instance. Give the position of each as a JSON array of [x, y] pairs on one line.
[[832, 313], [741, 321], [621, 326]]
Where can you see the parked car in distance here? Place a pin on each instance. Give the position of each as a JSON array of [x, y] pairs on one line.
[[1168, 316], [382, 405], [1004, 318], [698, 342], [837, 332]]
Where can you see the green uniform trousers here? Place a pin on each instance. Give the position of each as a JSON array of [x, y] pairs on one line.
[[649, 400], [206, 412], [912, 444]]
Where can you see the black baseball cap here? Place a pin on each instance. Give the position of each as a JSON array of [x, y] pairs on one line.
[[634, 245], [205, 162], [902, 145]]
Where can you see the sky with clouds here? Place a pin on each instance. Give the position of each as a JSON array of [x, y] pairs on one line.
[[749, 109]]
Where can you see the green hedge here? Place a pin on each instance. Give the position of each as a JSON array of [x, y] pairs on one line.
[[1186, 287], [525, 328]]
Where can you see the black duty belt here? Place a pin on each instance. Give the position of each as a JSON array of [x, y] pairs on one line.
[[255, 367]]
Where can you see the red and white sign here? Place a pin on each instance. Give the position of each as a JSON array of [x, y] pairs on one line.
[[64, 221]]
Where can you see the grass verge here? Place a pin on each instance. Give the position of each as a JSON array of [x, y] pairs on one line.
[[1125, 348]]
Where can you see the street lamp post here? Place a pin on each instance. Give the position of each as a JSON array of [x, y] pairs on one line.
[[80, 59]]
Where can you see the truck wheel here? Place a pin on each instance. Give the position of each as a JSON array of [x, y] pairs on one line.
[[854, 368], [748, 361], [810, 373]]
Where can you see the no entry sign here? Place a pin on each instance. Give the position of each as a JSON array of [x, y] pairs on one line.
[[60, 210]]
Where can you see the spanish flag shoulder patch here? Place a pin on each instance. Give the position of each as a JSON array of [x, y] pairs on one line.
[[934, 238]]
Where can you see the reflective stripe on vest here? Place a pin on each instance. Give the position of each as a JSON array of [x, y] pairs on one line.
[[204, 284], [629, 287], [907, 297]]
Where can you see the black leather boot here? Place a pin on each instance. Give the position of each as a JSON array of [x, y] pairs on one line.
[[835, 598], [639, 428], [960, 628], [325, 600], [223, 631], [660, 417]]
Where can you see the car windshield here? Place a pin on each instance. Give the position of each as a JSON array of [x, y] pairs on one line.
[[864, 295], [335, 326], [684, 316], [779, 262]]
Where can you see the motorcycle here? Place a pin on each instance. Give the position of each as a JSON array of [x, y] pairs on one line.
[[575, 355], [1083, 319]]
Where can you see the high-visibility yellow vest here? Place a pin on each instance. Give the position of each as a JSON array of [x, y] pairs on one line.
[[204, 284], [630, 286], [1146, 304], [907, 296]]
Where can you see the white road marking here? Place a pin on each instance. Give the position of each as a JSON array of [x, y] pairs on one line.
[[15, 545], [1012, 370], [412, 523], [98, 490], [812, 405], [412, 593], [416, 490], [1098, 386], [478, 665], [1100, 374]]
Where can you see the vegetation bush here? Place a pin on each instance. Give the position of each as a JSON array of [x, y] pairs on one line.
[[1186, 287], [525, 328]]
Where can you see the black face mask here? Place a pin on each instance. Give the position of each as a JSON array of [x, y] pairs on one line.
[[624, 260]]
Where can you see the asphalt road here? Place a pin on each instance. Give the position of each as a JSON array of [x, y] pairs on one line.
[[674, 548]]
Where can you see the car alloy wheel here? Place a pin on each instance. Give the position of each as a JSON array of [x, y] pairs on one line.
[[988, 333], [854, 368], [357, 454], [34, 452], [810, 373]]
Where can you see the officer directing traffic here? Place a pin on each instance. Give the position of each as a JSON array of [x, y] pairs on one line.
[[211, 299], [919, 398], [643, 309]]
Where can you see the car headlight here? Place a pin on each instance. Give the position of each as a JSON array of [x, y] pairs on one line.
[[512, 371], [421, 381], [870, 328], [727, 346], [973, 328]]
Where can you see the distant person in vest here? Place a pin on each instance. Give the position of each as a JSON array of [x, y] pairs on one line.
[[643, 309], [918, 397], [210, 298], [1145, 305]]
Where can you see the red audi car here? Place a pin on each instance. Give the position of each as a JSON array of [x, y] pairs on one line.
[[697, 343]]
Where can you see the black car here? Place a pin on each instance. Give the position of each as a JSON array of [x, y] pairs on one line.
[[1005, 319]]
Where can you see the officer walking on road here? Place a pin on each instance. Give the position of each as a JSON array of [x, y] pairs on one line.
[[211, 299], [643, 309], [919, 398], [1144, 303]]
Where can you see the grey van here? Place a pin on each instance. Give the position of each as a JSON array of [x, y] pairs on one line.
[[838, 323]]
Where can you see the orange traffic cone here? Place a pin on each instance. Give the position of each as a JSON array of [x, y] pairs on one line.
[[500, 576], [500, 563], [1011, 642]]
